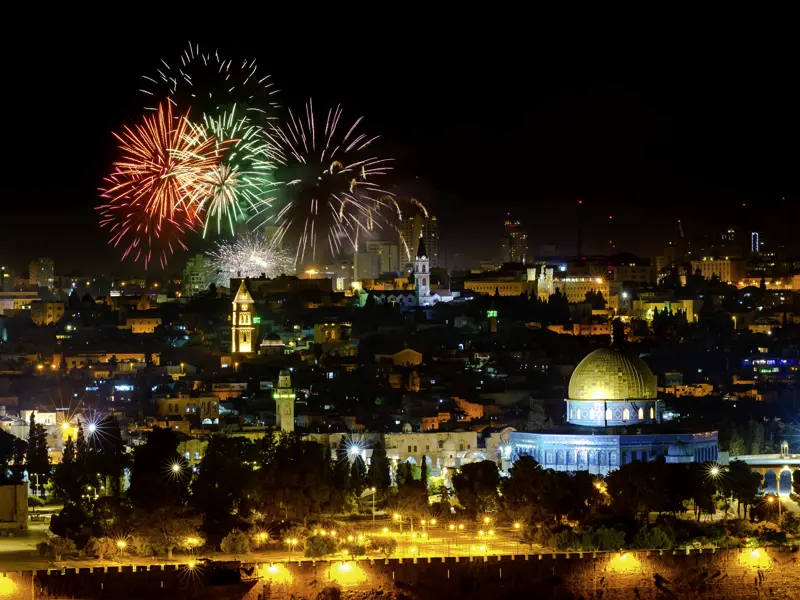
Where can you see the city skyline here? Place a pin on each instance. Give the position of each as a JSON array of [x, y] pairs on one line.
[[628, 143]]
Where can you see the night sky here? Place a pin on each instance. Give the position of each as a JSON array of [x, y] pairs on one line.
[[646, 130]]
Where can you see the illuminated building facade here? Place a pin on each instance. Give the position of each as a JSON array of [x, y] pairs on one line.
[[727, 269], [415, 227], [204, 407], [515, 242], [422, 275], [609, 391], [197, 275], [46, 313], [574, 287], [142, 324], [42, 273], [284, 398], [242, 327]]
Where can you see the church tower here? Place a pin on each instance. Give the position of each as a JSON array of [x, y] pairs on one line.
[[422, 275], [284, 398], [242, 328]]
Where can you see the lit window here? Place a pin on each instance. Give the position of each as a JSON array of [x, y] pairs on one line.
[[591, 414], [626, 414], [652, 413], [641, 414], [578, 413], [608, 414]]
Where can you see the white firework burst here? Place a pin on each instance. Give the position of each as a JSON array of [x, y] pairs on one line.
[[249, 255]]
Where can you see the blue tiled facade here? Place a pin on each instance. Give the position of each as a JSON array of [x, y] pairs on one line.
[[602, 453]]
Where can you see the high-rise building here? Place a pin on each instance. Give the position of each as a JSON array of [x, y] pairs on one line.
[[411, 229], [366, 265], [197, 275], [42, 273], [6, 278], [388, 255], [242, 328], [515, 242]]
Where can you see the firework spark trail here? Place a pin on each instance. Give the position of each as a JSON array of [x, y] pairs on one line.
[[242, 183], [206, 82], [146, 208], [249, 255], [160, 161], [335, 193]]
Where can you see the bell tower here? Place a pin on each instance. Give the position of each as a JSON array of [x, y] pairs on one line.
[[284, 398], [242, 328], [422, 275]]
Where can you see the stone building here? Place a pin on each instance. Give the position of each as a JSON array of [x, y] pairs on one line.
[[613, 418]]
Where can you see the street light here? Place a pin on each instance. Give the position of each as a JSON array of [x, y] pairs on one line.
[[715, 471], [176, 468]]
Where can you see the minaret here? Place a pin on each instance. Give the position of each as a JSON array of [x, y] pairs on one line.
[[422, 275], [284, 402], [242, 328]]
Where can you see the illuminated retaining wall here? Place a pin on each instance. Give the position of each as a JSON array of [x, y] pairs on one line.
[[730, 574]]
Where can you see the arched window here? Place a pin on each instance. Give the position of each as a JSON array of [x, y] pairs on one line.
[[641, 414], [608, 414], [571, 413], [578, 413], [626, 414], [591, 414], [652, 413]]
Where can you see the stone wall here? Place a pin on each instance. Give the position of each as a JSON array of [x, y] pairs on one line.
[[716, 575]]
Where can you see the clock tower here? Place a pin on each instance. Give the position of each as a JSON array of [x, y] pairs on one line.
[[242, 328]]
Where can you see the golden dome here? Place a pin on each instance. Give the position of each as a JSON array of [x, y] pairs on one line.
[[610, 374]]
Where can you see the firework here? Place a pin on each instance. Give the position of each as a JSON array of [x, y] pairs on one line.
[[206, 82], [241, 184], [147, 196], [249, 255], [329, 173], [140, 234], [161, 162]]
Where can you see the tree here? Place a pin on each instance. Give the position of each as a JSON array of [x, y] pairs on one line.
[[378, 473], [68, 481], [223, 489], [37, 458], [101, 547], [633, 490], [757, 433], [703, 489], [358, 475], [412, 492], [159, 477], [736, 446], [476, 486], [236, 542], [112, 459], [168, 530], [386, 546], [743, 484], [521, 489], [423, 478], [18, 466], [8, 449], [320, 545]]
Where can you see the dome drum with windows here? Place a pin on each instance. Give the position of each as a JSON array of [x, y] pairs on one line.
[[612, 388]]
